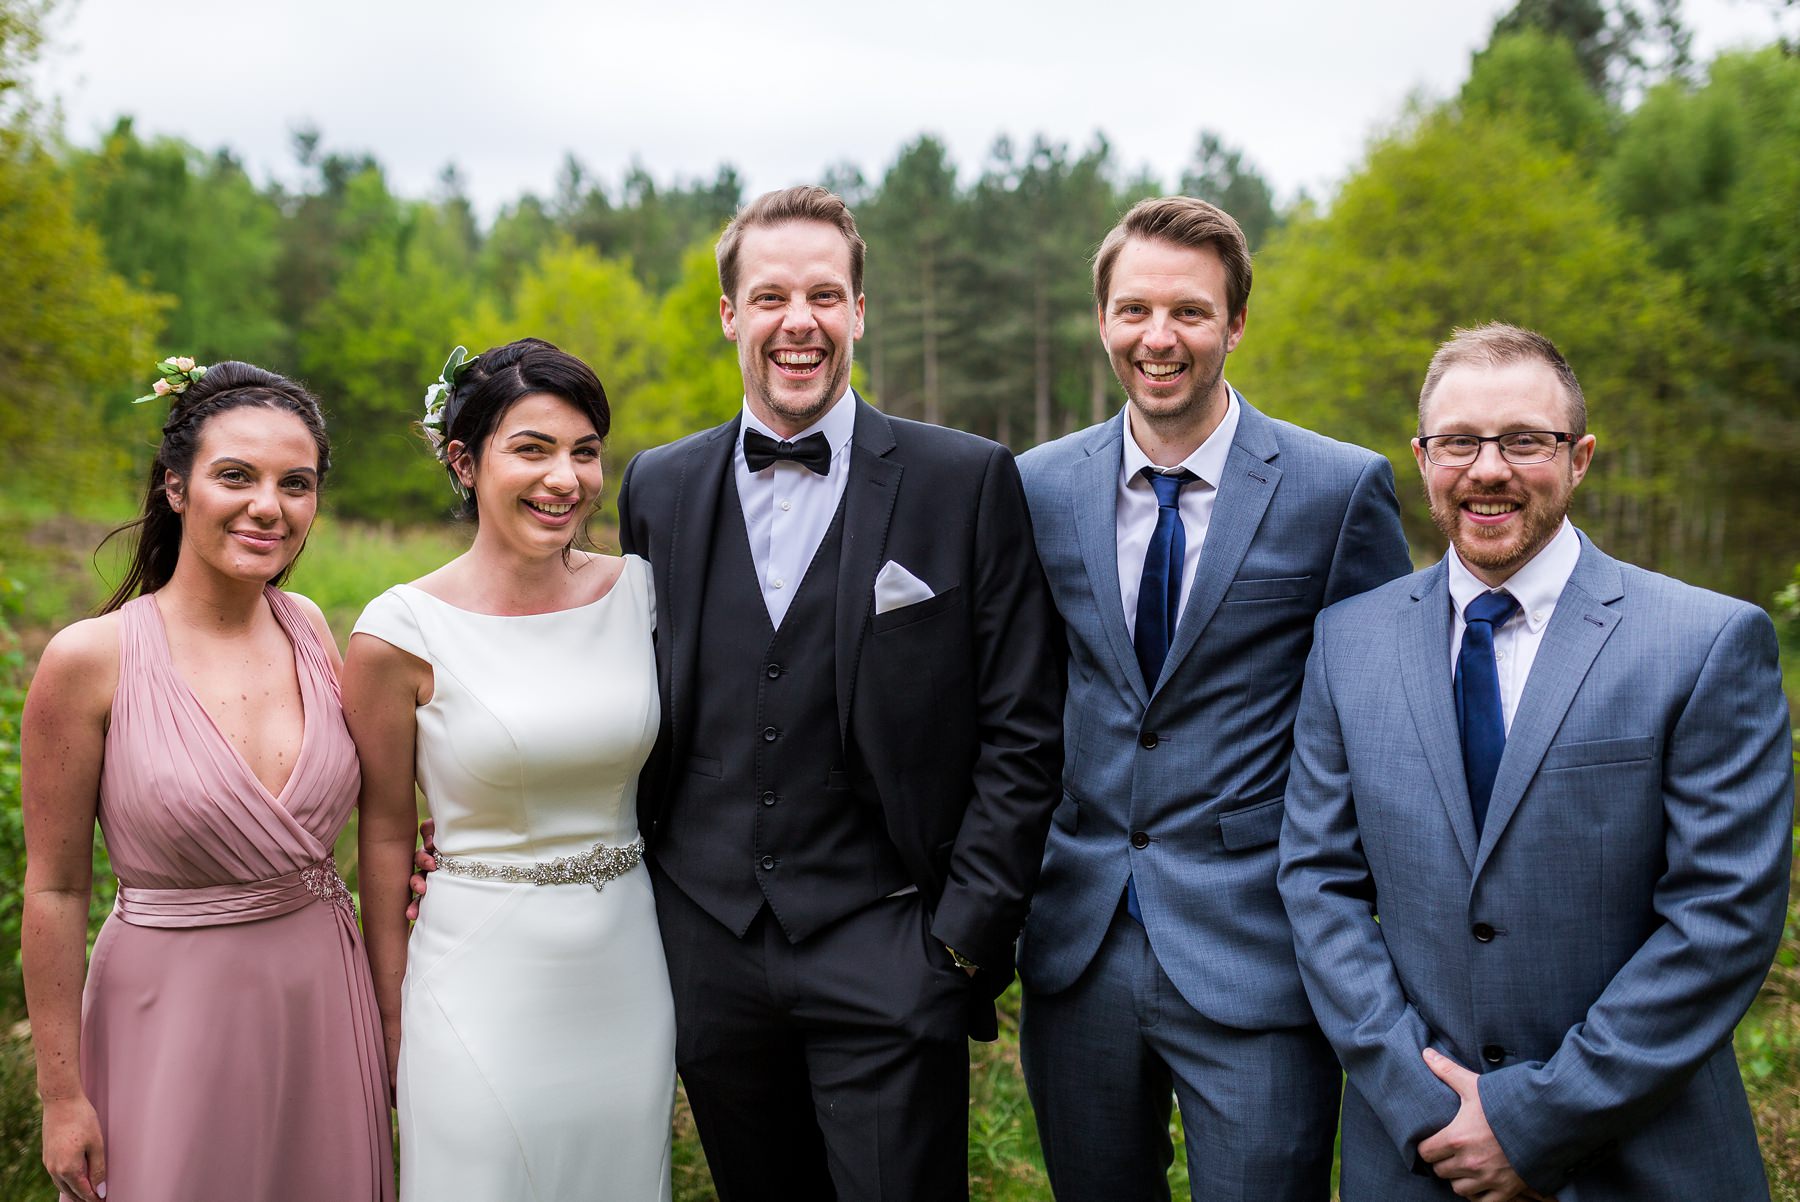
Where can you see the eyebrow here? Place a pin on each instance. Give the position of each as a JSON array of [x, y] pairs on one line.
[[542, 437], [233, 459]]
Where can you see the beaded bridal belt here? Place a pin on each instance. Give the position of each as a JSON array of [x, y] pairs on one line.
[[595, 866]]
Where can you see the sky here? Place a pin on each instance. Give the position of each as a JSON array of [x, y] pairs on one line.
[[505, 89]]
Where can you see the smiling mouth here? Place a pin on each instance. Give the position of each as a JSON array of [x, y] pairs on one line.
[[550, 511], [258, 538], [1161, 373], [798, 364]]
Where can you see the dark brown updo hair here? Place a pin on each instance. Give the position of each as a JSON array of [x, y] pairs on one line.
[[498, 378], [225, 386]]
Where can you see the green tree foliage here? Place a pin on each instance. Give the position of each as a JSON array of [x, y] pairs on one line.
[[1459, 220], [1534, 79], [1711, 175], [1220, 174], [377, 340], [194, 227]]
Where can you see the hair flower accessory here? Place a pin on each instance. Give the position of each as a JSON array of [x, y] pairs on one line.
[[174, 375], [436, 422]]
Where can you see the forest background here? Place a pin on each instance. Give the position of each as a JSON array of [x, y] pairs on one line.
[[1589, 180]]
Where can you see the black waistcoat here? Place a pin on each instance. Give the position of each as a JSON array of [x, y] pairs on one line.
[[765, 809]]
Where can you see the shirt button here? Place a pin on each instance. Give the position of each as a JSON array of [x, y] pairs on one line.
[[767, 862], [1148, 740], [786, 505], [1483, 932], [768, 799], [1493, 1053], [774, 671], [778, 582], [770, 734], [1140, 840], [1537, 615]]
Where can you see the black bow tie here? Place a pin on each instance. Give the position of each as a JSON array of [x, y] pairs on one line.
[[812, 452]]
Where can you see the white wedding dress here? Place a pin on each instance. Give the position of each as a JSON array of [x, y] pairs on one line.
[[537, 1053]]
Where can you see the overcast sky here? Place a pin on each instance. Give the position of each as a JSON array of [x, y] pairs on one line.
[[504, 88]]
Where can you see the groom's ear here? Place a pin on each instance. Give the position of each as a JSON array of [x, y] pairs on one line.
[[728, 318]]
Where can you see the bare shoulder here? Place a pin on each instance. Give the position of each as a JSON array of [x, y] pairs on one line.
[[80, 666]]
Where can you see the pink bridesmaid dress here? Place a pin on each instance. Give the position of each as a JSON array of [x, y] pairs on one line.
[[230, 1040]]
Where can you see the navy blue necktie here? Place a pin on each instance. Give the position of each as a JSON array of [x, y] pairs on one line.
[[1159, 597], [1478, 710]]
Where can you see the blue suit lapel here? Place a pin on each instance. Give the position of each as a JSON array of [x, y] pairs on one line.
[[1425, 675], [869, 497], [1094, 484], [1578, 629], [1245, 490]]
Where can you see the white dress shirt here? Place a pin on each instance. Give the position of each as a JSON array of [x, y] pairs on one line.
[[788, 507], [1536, 587], [1135, 514]]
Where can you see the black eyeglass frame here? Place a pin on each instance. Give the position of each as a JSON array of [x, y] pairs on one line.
[[1499, 441]]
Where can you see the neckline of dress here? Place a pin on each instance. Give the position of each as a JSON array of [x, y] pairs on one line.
[[300, 679], [548, 613]]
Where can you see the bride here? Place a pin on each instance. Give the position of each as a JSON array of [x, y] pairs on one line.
[[527, 1017]]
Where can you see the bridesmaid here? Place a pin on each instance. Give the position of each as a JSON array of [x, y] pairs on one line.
[[226, 1045]]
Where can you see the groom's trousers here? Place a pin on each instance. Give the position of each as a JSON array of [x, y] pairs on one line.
[[834, 1066]]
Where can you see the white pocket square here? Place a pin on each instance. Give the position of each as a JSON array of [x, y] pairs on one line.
[[896, 588]]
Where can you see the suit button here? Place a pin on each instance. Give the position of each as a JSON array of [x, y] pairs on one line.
[[1493, 1053], [770, 734], [768, 799], [1140, 840], [774, 671], [1148, 739], [1483, 932], [767, 862]]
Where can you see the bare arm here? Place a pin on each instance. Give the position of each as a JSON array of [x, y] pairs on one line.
[[63, 740], [383, 685]]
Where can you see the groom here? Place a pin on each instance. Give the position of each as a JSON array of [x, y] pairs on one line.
[[860, 741]]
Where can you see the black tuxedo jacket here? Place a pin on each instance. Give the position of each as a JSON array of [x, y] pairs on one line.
[[953, 705]]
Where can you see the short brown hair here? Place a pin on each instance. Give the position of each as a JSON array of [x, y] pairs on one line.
[[1496, 345], [1185, 221], [804, 202]]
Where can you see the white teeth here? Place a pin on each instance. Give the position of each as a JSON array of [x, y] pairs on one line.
[[798, 358], [552, 510], [1492, 508], [1162, 371]]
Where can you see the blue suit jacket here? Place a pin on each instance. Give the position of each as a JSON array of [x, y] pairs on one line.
[[1196, 761], [1592, 951]]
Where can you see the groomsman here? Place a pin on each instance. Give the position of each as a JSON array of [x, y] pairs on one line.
[[1190, 541], [859, 741], [1538, 832]]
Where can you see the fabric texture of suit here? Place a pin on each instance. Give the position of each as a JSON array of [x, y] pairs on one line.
[[943, 714], [1178, 782], [1592, 950]]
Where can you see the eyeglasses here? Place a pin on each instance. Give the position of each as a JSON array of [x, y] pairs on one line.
[[1518, 446]]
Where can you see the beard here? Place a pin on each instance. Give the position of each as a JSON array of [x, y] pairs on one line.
[[1501, 551], [799, 403], [1203, 378]]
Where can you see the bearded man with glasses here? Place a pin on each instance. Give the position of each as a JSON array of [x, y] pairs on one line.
[[1538, 832]]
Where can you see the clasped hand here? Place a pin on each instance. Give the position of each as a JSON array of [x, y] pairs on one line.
[[1466, 1153]]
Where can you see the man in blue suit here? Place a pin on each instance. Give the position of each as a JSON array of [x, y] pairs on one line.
[[1189, 541], [1538, 832]]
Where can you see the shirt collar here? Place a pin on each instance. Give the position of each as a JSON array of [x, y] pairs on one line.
[[837, 424], [1208, 459], [1537, 586]]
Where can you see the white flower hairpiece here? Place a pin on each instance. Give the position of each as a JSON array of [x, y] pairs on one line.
[[174, 376]]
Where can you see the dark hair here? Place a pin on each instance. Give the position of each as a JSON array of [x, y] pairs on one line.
[[1183, 221], [1497, 344], [225, 386], [503, 375], [803, 202]]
